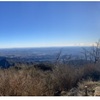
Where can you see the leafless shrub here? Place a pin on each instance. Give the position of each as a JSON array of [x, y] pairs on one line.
[[63, 77]]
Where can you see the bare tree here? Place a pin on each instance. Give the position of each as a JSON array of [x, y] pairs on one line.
[[93, 54], [66, 58], [85, 53], [58, 58]]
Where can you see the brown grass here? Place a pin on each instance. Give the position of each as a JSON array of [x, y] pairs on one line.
[[30, 81], [21, 82], [90, 87]]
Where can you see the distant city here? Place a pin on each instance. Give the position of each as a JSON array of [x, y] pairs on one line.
[[40, 54]]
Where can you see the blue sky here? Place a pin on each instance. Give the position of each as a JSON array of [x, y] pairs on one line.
[[44, 24]]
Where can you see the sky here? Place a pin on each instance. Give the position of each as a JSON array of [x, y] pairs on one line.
[[47, 24]]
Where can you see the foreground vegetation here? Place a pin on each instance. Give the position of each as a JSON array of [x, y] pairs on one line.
[[24, 80]]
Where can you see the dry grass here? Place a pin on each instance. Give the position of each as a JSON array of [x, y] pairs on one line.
[[21, 82], [30, 81], [90, 87], [64, 78]]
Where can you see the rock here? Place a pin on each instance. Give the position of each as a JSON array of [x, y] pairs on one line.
[[97, 91], [72, 92], [63, 93]]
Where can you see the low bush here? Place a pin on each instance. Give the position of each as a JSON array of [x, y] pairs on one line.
[[32, 81]]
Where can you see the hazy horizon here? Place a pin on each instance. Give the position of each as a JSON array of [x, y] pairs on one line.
[[49, 24], [61, 47]]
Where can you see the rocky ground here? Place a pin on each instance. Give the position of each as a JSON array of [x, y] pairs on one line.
[[85, 88]]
